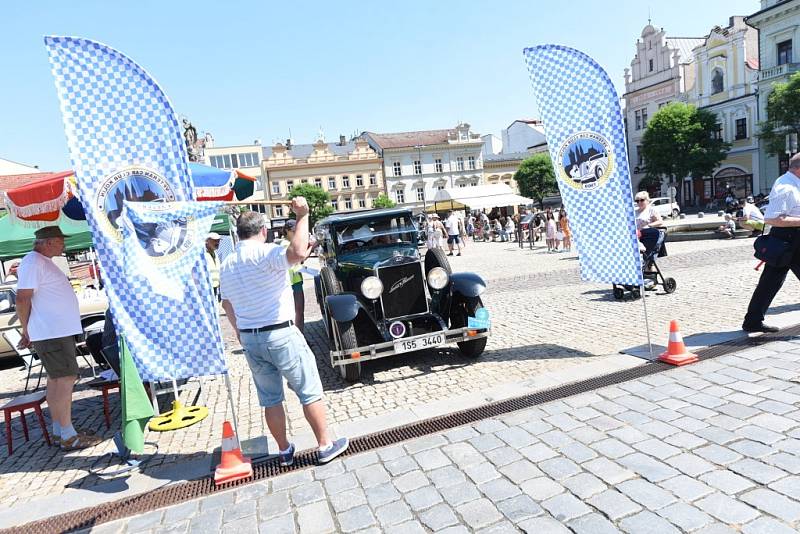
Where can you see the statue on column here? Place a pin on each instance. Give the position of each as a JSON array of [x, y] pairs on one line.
[[194, 147]]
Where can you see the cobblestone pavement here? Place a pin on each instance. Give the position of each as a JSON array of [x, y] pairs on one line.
[[712, 447], [543, 320]]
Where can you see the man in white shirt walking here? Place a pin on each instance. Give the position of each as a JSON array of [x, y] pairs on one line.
[[50, 318], [257, 298], [783, 215]]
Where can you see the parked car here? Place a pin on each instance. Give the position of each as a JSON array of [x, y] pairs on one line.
[[380, 297], [664, 208], [92, 310]]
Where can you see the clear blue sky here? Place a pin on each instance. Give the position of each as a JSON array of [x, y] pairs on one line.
[[248, 70]]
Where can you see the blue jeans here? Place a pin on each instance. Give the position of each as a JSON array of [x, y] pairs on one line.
[[279, 354]]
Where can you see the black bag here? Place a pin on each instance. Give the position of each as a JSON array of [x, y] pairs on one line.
[[773, 250]]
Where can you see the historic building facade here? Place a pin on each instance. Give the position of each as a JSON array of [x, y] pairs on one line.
[[660, 73], [417, 164], [350, 171], [778, 25], [725, 74]]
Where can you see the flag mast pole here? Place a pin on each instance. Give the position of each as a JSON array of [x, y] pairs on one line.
[[646, 322]]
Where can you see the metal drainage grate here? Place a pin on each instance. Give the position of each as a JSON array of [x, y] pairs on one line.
[[184, 491]]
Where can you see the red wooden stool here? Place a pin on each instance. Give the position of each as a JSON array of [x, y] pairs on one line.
[[20, 404], [104, 388]]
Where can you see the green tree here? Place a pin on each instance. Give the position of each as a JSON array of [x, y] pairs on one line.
[[319, 201], [536, 178], [382, 201], [783, 115], [680, 141]]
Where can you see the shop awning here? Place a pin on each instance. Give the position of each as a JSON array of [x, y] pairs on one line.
[[16, 240], [479, 197]]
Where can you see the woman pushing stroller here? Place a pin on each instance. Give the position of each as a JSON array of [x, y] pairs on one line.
[[651, 231]]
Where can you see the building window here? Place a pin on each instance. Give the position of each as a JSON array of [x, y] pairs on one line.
[[741, 128], [462, 185], [318, 182], [362, 203], [650, 65], [420, 194], [400, 196], [235, 161], [215, 161], [396, 169], [334, 205], [348, 204], [717, 133], [278, 211], [359, 180], [784, 52], [639, 157], [226, 161], [373, 179], [345, 182], [638, 114], [304, 181], [471, 161], [417, 166], [440, 188], [460, 163], [644, 117], [331, 182], [717, 82], [437, 165], [289, 185], [276, 188]]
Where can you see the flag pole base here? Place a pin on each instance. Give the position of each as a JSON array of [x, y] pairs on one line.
[[125, 463], [178, 417]]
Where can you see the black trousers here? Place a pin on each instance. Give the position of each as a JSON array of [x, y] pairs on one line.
[[772, 279]]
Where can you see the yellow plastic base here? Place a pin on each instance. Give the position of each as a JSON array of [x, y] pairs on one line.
[[178, 417]]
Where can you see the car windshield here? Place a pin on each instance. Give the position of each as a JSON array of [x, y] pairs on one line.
[[378, 232]]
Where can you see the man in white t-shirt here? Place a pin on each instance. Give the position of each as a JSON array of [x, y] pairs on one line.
[[452, 224], [50, 318], [257, 298], [752, 217]]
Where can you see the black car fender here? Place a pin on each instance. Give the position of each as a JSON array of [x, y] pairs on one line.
[[467, 284], [343, 307]]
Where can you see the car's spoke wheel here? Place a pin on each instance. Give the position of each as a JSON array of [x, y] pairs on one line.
[[347, 335], [458, 319]]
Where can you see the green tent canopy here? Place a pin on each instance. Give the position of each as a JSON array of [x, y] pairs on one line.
[[16, 239]]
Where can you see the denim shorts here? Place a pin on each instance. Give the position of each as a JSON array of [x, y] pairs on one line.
[[279, 354]]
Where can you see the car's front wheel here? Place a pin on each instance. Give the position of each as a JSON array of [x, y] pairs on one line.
[[459, 313], [347, 337]]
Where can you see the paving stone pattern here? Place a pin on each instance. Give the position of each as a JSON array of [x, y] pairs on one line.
[[539, 316], [642, 476]]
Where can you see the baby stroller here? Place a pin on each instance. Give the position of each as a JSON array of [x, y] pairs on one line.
[[652, 240]]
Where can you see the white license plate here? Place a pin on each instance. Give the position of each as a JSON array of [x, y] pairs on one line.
[[420, 343]]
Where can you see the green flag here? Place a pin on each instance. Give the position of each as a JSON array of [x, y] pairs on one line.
[[136, 407]]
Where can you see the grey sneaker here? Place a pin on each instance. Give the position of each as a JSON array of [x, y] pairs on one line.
[[287, 459], [338, 447]]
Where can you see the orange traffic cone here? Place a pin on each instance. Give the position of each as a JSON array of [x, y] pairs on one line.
[[676, 353], [233, 465]]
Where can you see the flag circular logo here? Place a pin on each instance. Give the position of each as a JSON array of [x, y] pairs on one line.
[[134, 184], [585, 160]]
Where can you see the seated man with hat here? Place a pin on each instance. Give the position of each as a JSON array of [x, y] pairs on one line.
[[50, 318]]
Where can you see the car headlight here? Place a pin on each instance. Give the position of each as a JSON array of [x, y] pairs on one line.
[[371, 287], [437, 278]]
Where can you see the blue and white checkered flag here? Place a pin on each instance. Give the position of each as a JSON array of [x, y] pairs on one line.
[[586, 138], [126, 145]]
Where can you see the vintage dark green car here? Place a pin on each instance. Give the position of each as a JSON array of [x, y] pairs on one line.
[[379, 296]]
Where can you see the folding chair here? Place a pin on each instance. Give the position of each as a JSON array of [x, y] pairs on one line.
[[29, 356]]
